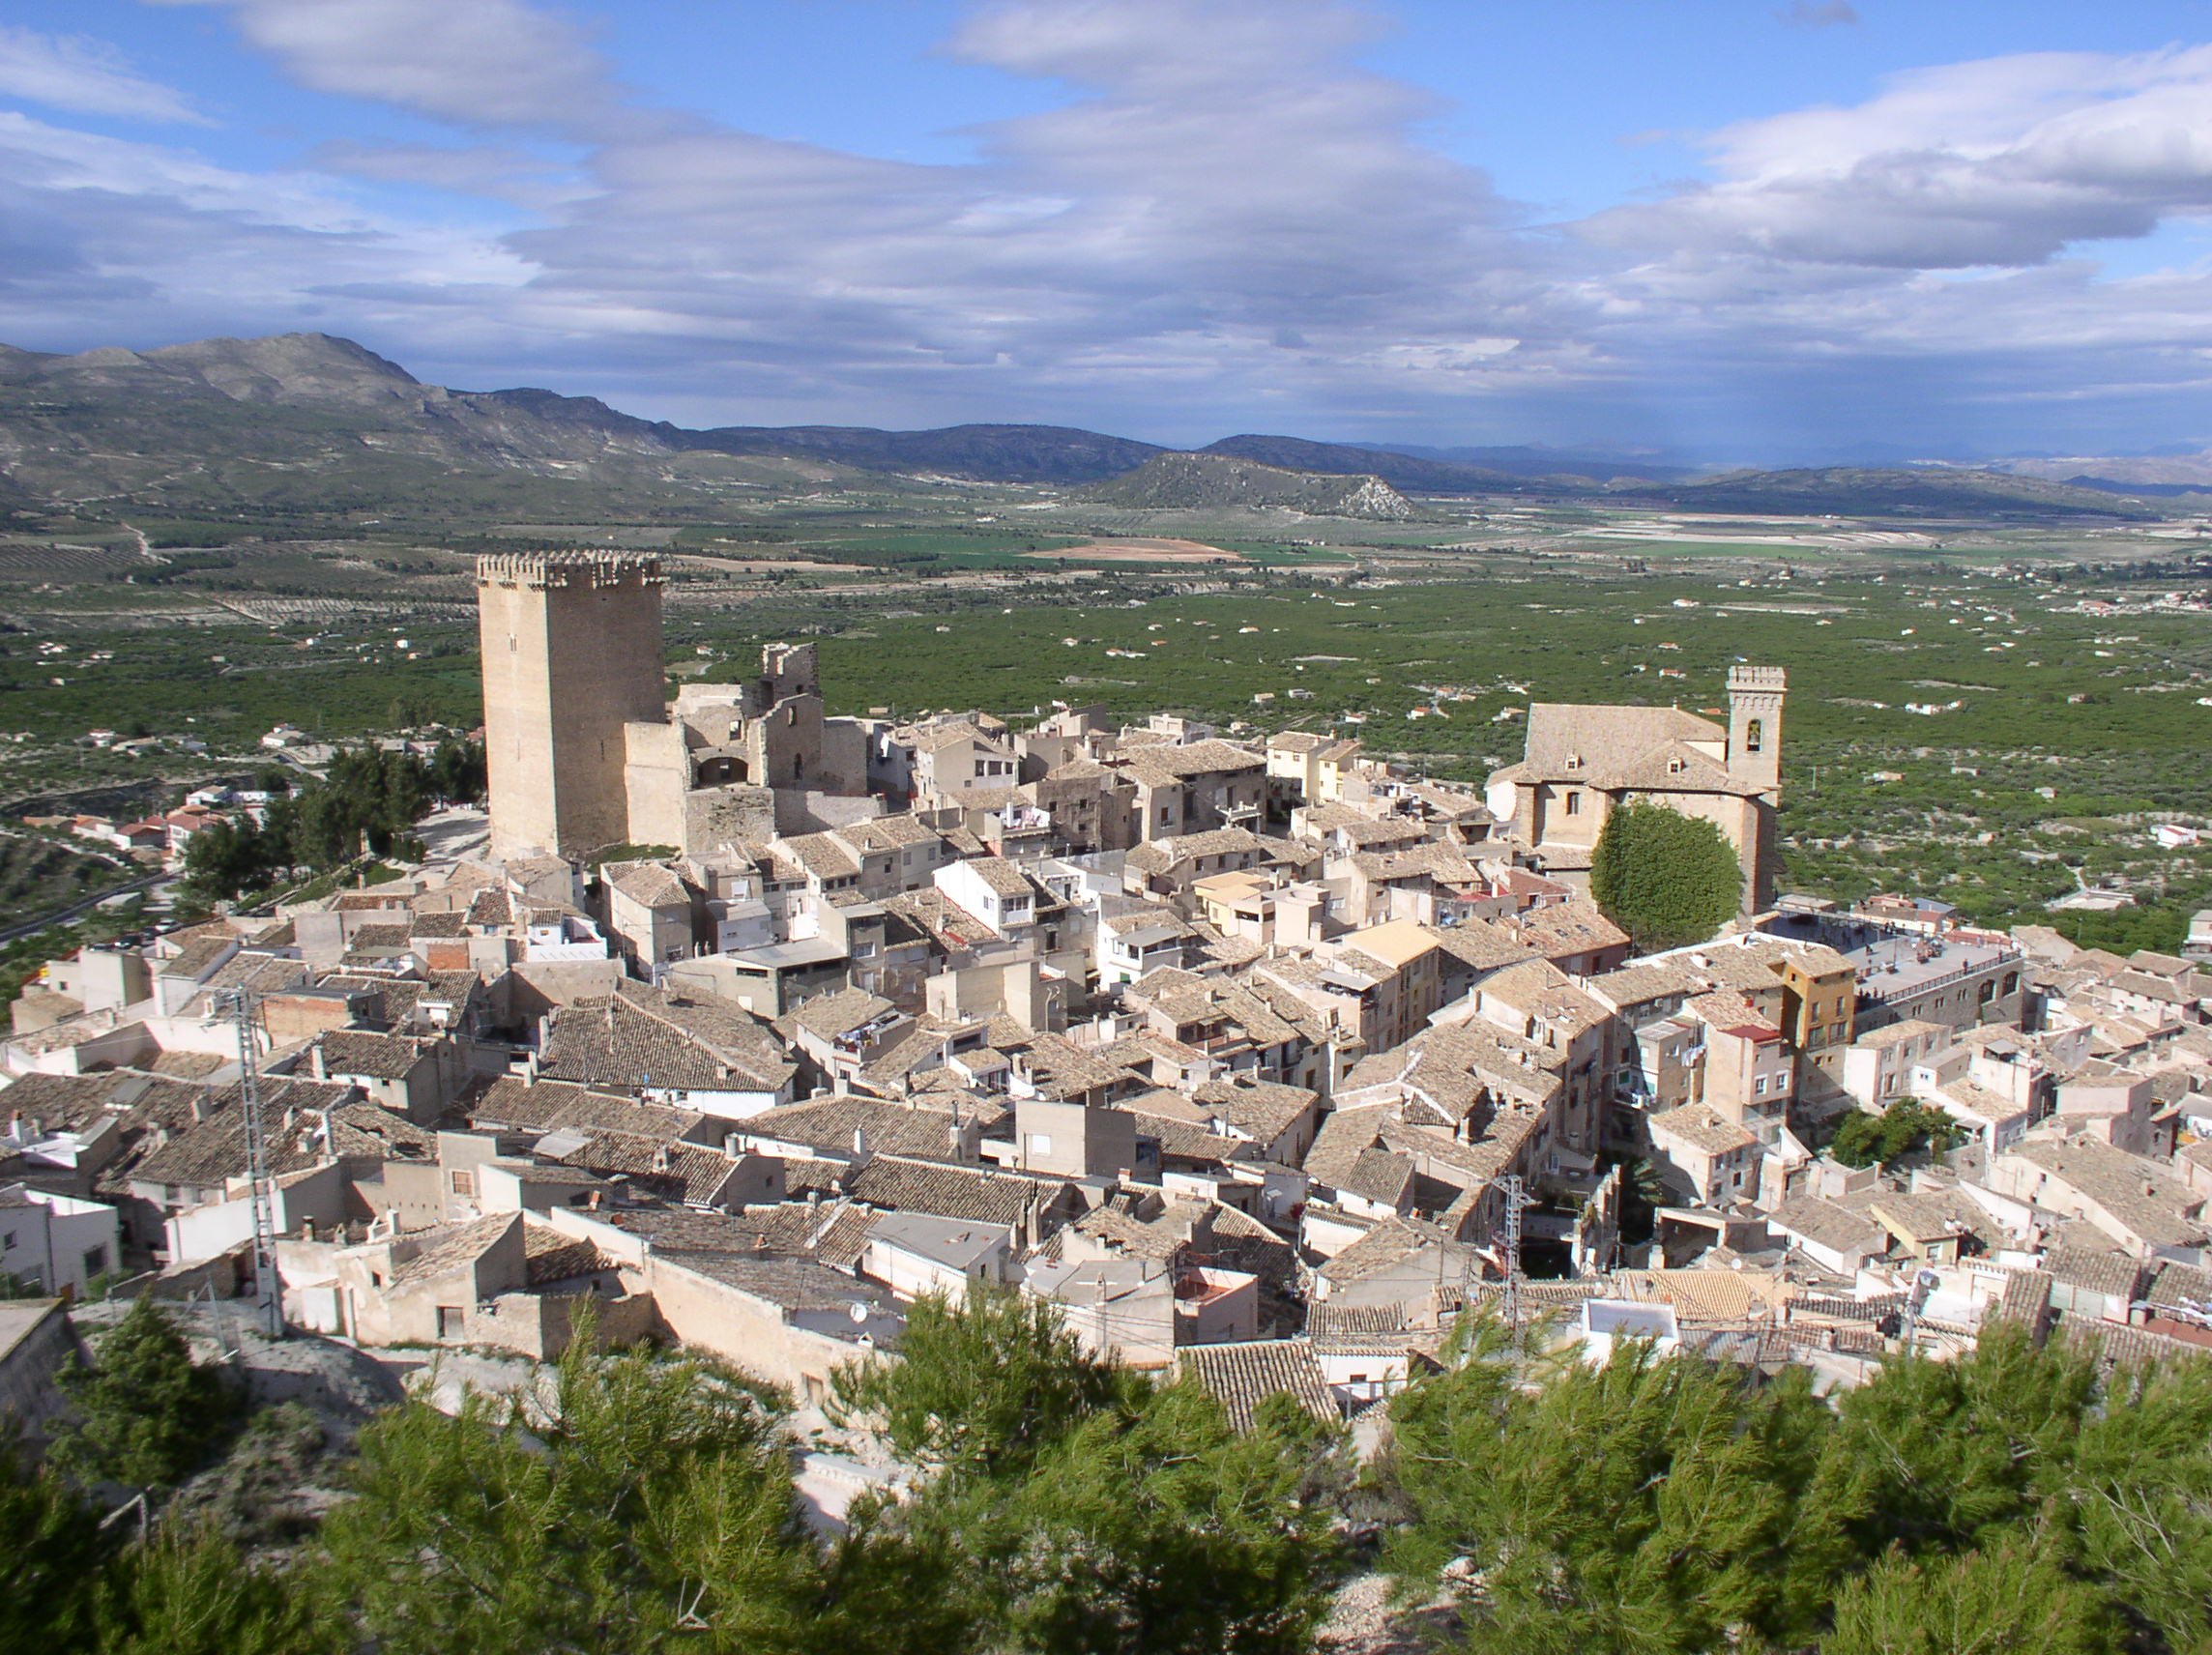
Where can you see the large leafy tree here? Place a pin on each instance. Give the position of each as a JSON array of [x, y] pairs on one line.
[[1864, 1140], [1665, 878]]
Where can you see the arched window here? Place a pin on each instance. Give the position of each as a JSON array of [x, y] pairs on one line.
[[1754, 735]]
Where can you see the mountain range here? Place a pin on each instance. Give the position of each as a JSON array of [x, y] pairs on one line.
[[310, 425]]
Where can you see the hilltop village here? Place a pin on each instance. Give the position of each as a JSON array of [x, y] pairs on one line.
[[1262, 1061]]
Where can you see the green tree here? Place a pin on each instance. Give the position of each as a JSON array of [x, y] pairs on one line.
[[1652, 1504], [188, 1591], [982, 1387], [650, 1508], [457, 773], [1948, 1455], [1665, 878], [52, 1559], [227, 859], [1866, 1140], [144, 1413], [2140, 1497], [2013, 1601], [1153, 1526]]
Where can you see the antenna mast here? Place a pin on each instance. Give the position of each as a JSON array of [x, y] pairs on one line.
[[1509, 1301], [268, 1300]]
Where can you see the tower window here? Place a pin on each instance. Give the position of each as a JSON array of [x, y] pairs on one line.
[[1754, 735]]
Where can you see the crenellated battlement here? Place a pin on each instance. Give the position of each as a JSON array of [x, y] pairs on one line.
[[545, 571], [1769, 680]]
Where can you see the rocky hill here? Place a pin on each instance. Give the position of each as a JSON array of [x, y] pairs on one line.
[[308, 421], [309, 427], [1205, 481], [1400, 471]]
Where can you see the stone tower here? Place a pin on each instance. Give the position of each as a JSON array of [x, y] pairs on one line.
[[1754, 726], [571, 653]]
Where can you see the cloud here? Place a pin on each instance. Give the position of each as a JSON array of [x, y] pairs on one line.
[[474, 62], [1223, 221], [2002, 162], [87, 76], [109, 240]]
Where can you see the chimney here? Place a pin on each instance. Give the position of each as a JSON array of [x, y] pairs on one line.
[[592, 1201], [860, 1143]]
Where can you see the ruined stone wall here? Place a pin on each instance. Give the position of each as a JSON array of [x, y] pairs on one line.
[[725, 815], [656, 774]]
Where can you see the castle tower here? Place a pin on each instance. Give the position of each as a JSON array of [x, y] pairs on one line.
[[571, 653], [1754, 726]]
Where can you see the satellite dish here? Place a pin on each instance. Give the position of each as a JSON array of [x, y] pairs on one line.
[[859, 1312]]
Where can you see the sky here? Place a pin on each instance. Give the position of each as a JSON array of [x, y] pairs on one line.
[[1721, 231]]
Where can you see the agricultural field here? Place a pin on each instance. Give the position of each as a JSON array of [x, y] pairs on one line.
[[1962, 718]]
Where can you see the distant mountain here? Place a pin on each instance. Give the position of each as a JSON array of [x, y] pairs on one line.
[[1846, 491], [1531, 461], [1207, 480], [983, 454], [2175, 472], [1345, 459], [310, 423], [311, 428]]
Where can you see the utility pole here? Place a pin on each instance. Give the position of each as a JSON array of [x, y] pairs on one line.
[[268, 1300]]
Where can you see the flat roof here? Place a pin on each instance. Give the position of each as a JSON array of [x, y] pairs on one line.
[[782, 956]]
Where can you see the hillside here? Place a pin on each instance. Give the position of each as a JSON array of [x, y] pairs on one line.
[[307, 428], [1421, 472], [1859, 492], [1205, 481], [304, 423], [980, 454]]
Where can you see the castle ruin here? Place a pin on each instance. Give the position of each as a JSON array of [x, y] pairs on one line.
[[584, 751]]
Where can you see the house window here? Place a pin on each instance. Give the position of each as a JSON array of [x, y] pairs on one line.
[[453, 1321], [464, 1183], [95, 1262], [1573, 804], [1758, 1086]]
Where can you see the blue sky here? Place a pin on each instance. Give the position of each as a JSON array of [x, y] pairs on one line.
[[1782, 231]]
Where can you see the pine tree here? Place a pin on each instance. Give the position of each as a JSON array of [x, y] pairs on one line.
[[982, 1387], [54, 1559], [145, 1415]]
